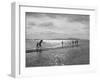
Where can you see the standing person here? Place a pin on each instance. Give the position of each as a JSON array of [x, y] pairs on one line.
[[62, 43], [37, 46], [77, 43], [73, 43], [39, 51]]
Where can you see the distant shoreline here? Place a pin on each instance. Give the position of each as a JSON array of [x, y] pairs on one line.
[[59, 39]]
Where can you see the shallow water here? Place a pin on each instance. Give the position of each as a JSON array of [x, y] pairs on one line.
[[76, 55]]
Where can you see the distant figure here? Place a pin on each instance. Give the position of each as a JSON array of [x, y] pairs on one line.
[[74, 43], [39, 45], [62, 43], [39, 51]]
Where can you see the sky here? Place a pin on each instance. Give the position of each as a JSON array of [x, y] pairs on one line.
[[56, 26]]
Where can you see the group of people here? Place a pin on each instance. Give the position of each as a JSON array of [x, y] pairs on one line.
[[58, 60], [75, 42], [72, 43]]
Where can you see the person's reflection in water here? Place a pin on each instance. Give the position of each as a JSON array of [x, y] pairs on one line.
[[39, 50]]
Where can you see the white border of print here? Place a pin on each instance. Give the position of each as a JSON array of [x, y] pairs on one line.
[[18, 41]]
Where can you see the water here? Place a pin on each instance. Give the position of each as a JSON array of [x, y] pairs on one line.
[[59, 56]]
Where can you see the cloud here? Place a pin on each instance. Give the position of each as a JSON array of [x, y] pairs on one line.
[[49, 25], [46, 25]]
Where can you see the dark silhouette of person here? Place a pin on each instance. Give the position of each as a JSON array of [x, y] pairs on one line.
[[74, 43], [39, 51], [38, 45], [62, 43]]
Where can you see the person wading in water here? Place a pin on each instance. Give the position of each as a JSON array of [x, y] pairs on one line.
[[62, 43], [39, 51], [74, 43], [39, 45]]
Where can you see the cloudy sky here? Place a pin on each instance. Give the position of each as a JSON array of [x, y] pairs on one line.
[[56, 26]]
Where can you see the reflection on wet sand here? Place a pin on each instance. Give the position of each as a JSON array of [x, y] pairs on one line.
[[75, 53]]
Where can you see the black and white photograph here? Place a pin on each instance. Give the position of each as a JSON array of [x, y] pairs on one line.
[[56, 39]]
